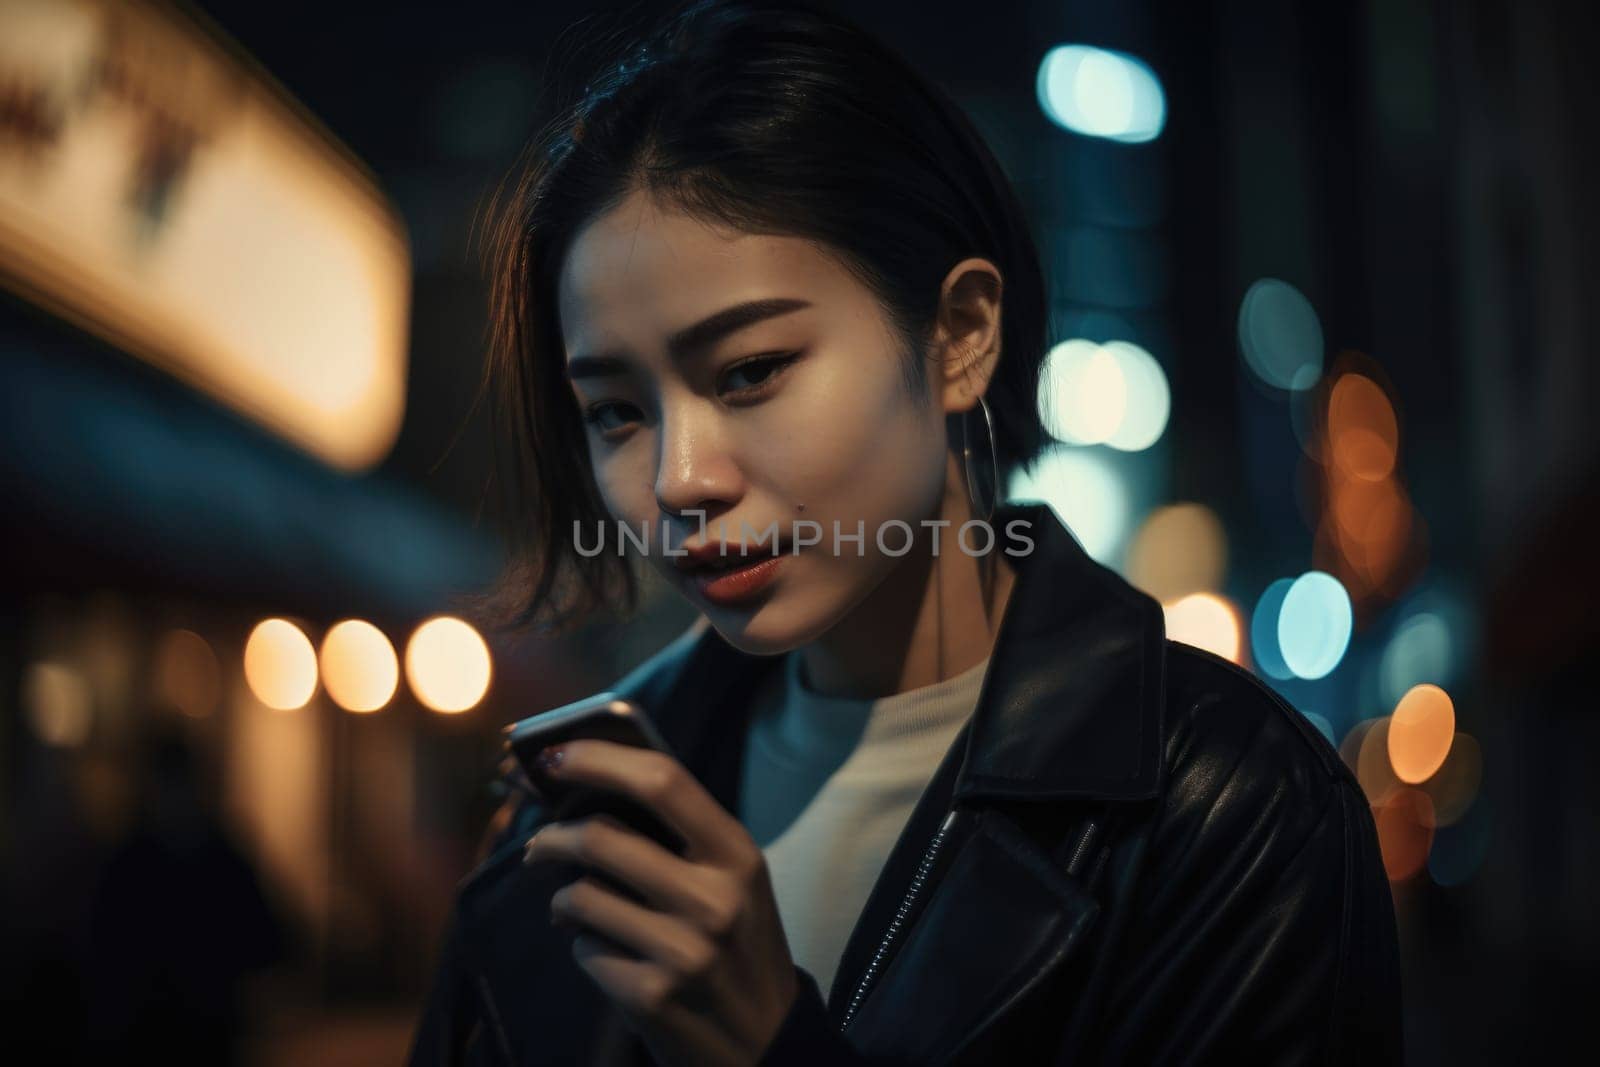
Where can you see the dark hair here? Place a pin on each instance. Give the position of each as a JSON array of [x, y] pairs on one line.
[[770, 117]]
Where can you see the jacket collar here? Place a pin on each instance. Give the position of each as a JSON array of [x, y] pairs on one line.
[[1073, 699], [1071, 703]]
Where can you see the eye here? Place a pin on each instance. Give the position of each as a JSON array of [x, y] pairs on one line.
[[761, 371], [608, 415]]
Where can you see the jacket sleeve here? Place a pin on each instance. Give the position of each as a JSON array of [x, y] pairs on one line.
[[449, 1016], [450, 1030], [1263, 929]]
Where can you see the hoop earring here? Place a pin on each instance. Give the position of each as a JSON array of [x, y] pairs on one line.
[[983, 478]]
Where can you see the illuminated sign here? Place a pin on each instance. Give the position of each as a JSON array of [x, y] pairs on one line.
[[160, 190]]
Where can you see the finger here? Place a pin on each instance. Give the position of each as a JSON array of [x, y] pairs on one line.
[[662, 784], [662, 878], [672, 1031], [637, 985], [515, 779], [676, 1029], [649, 934]]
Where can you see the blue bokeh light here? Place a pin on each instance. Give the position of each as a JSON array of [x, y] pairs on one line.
[[1264, 630], [1280, 335], [1421, 650], [1314, 624]]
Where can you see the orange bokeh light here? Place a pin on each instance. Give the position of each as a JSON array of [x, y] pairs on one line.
[[280, 665], [1369, 534], [448, 665], [1420, 732], [359, 668], [186, 674], [1180, 549], [1373, 522], [1362, 428]]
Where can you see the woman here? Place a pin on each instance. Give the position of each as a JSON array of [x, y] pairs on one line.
[[942, 804]]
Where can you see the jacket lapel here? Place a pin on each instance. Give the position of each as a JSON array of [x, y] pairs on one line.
[[1001, 920]]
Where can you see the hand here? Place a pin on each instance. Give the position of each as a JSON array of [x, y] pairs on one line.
[[701, 969]]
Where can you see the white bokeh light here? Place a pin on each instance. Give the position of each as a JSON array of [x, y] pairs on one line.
[[1114, 394], [1101, 93], [1148, 400], [1085, 492]]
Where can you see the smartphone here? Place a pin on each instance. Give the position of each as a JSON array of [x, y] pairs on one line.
[[605, 716]]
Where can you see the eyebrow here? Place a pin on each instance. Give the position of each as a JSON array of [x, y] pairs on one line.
[[690, 339]]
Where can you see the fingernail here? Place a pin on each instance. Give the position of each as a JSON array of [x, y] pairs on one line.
[[550, 758]]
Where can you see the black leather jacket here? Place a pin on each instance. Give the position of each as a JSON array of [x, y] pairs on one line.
[[1134, 852]]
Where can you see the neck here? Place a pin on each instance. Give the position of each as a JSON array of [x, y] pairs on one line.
[[932, 618]]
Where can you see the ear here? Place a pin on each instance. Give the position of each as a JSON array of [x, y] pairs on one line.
[[967, 332]]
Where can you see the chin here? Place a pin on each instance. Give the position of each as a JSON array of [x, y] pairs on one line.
[[755, 635], [776, 627]]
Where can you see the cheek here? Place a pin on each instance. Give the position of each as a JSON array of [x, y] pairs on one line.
[[627, 485], [841, 432]]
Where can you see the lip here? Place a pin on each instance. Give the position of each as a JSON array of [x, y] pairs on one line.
[[691, 558], [738, 584]]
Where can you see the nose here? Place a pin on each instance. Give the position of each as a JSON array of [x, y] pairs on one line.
[[696, 469]]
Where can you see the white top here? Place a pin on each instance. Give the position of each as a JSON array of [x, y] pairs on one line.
[[829, 784]]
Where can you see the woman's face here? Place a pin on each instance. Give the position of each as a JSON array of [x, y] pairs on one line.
[[799, 413]]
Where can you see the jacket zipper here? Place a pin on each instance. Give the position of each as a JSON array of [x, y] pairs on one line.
[[1089, 831], [893, 932]]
